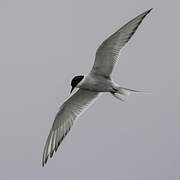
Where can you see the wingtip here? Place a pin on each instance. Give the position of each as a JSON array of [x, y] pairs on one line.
[[43, 163], [51, 154], [148, 11]]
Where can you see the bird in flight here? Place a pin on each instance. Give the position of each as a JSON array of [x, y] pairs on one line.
[[89, 87]]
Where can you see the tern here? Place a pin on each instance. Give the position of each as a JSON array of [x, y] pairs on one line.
[[89, 87]]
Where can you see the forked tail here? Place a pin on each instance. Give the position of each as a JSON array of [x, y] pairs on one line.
[[121, 93]]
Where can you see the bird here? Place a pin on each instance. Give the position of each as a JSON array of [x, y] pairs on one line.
[[96, 82]]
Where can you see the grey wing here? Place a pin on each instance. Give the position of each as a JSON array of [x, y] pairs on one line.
[[108, 52], [69, 111]]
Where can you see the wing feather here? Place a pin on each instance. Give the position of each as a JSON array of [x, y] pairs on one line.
[[108, 52], [69, 111]]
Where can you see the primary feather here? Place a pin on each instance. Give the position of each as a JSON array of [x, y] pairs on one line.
[[69, 111]]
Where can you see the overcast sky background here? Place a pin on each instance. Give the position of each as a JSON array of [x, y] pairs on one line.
[[43, 44]]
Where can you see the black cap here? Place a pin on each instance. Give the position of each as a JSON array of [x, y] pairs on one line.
[[75, 81]]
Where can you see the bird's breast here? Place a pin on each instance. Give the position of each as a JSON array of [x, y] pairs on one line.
[[97, 84]]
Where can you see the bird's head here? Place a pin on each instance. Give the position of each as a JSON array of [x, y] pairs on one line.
[[75, 81]]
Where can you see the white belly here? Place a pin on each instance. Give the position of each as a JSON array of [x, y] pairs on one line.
[[98, 84]]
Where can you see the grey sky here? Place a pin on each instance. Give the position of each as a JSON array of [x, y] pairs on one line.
[[43, 45]]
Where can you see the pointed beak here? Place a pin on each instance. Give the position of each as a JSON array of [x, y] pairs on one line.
[[71, 90]]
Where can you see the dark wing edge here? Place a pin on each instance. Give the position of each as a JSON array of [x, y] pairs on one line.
[[143, 15]]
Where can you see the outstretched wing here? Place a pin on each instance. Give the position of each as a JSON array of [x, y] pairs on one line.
[[69, 111], [108, 52]]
